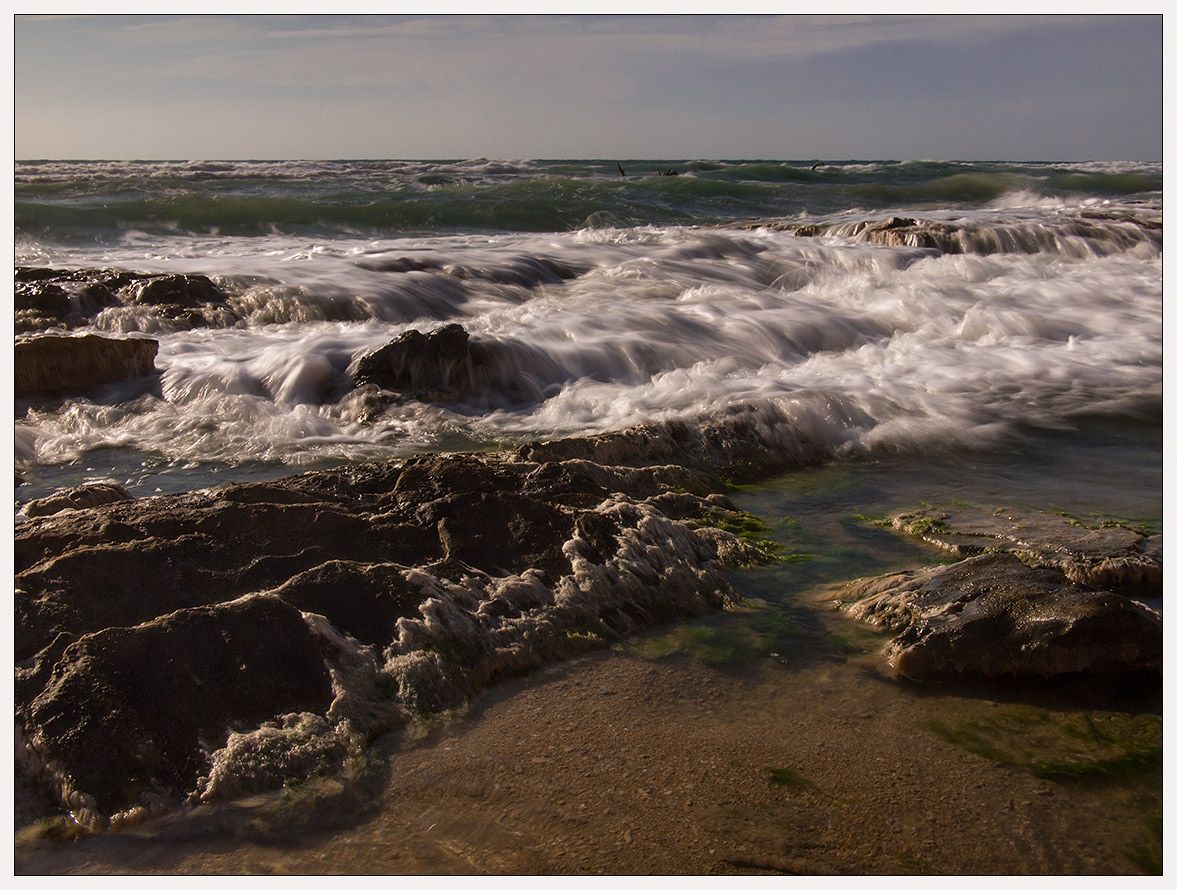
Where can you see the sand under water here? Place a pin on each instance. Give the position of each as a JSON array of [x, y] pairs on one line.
[[631, 761], [773, 739]]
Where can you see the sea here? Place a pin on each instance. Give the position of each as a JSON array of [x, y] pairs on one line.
[[1019, 362], [946, 332]]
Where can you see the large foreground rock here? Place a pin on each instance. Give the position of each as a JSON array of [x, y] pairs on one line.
[[211, 644], [51, 363], [154, 697], [992, 615]]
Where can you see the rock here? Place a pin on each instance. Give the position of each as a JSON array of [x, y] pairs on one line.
[[903, 232], [190, 301], [185, 291], [51, 363], [153, 697], [220, 642], [81, 497], [40, 305], [994, 616], [55, 298], [1078, 234], [416, 361], [808, 230], [445, 365], [740, 443], [1108, 554]]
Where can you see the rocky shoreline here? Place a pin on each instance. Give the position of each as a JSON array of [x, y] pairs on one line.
[[150, 628], [184, 650], [229, 641]]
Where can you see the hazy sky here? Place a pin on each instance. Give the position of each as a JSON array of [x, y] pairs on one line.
[[548, 86]]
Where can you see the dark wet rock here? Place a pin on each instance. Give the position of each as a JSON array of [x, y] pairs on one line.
[[414, 361], [400, 264], [992, 615], [39, 305], [93, 494], [179, 291], [225, 641], [363, 600], [58, 298], [447, 365], [175, 290], [1108, 554], [51, 363], [151, 698], [187, 300]]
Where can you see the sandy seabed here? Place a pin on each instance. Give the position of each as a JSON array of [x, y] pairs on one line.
[[630, 762]]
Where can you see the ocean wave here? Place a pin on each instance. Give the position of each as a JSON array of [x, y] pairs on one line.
[[80, 202], [864, 346]]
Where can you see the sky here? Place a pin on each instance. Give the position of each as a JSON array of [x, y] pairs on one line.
[[1007, 87]]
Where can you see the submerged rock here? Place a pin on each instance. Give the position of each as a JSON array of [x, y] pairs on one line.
[[740, 443], [1081, 234], [50, 363], [993, 615], [1109, 554]]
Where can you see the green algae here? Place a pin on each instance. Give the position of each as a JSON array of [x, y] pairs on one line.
[[738, 522], [1062, 746], [754, 530], [788, 778], [926, 525], [713, 644], [1146, 850], [1111, 757]]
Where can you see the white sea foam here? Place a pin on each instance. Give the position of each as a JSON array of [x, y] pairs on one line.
[[864, 346]]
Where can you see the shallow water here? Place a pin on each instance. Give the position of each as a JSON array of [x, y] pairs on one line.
[[1093, 473], [813, 757], [728, 745]]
